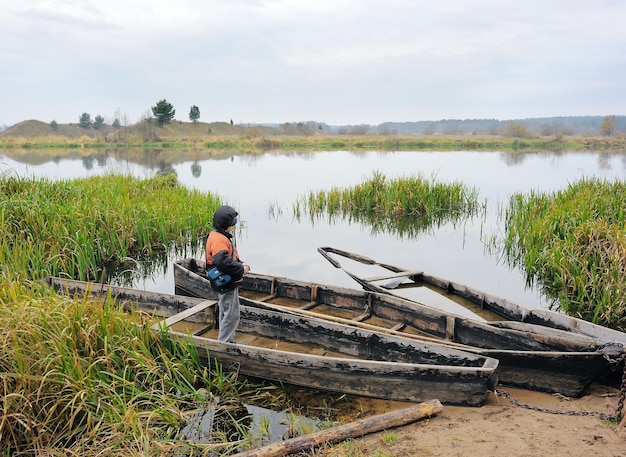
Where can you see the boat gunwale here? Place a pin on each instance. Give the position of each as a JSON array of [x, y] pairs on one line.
[[567, 379], [488, 363]]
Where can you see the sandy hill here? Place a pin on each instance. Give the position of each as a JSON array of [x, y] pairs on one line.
[[176, 129]]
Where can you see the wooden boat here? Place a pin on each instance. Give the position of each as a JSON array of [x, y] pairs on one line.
[[311, 352], [531, 356], [400, 278]]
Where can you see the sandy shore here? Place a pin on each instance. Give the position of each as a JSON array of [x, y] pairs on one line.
[[502, 428]]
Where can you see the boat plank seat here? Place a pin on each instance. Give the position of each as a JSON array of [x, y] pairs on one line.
[[307, 306], [184, 314], [362, 317], [267, 298], [399, 326], [202, 330], [400, 274]]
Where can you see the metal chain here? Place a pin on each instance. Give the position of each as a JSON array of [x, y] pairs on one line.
[[622, 395], [620, 404], [612, 360], [515, 402]]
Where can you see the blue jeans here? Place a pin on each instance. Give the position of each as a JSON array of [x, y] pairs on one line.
[[228, 314]]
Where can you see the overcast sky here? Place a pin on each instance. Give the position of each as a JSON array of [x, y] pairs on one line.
[[333, 61]]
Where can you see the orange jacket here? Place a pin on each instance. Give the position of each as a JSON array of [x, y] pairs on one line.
[[221, 253]]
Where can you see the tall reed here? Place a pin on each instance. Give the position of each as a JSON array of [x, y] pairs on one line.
[[404, 206], [572, 243], [86, 378], [75, 227]]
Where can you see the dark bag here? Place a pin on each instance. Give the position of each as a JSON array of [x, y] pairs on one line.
[[219, 281]]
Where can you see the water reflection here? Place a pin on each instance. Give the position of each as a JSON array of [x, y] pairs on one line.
[[276, 412], [263, 188], [130, 271], [158, 158], [233, 421]]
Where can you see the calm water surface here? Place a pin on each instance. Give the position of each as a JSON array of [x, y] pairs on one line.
[[264, 187]]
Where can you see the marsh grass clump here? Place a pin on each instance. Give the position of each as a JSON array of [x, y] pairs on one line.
[[74, 227], [405, 206], [572, 243], [87, 378]]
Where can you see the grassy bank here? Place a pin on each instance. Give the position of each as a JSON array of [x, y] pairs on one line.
[[76, 227], [257, 142], [572, 243], [79, 379], [83, 377]]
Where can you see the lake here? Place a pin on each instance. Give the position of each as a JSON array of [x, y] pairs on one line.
[[264, 187]]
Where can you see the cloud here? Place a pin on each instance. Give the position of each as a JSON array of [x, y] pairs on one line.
[[333, 61]]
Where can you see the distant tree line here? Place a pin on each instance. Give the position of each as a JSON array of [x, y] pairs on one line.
[[548, 126], [164, 113], [519, 128]]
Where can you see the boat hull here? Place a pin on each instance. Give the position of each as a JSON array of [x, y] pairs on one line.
[[361, 362], [483, 300], [531, 356]]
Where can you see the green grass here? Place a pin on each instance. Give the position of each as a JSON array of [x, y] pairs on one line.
[[572, 243], [75, 227], [404, 206], [86, 378]]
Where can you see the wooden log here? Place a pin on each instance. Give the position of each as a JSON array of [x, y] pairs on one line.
[[358, 428]]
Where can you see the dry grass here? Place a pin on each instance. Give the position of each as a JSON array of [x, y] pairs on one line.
[[83, 378], [223, 135]]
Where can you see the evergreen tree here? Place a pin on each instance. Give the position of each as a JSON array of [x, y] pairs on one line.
[[98, 122], [164, 112], [194, 114], [85, 120]]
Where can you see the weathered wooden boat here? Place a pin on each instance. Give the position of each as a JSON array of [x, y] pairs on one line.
[[531, 356], [311, 352], [505, 310]]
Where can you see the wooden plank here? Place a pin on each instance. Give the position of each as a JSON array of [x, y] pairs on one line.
[[202, 330], [267, 298], [184, 314], [399, 326], [356, 429], [307, 306], [362, 317], [400, 274], [366, 326]]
